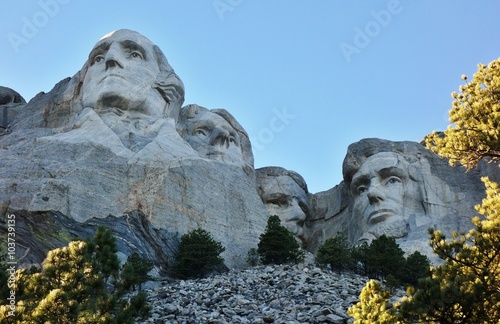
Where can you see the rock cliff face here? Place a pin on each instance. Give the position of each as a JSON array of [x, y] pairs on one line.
[[399, 189], [85, 154], [112, 146]]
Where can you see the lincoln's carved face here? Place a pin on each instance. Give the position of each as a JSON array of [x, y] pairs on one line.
[[283, 197], [381, 189], [121, 74], [213, 137]]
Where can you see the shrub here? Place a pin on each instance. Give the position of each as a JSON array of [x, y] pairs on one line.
[[198, 255], [278, 245], [252, 257], [336, 253]]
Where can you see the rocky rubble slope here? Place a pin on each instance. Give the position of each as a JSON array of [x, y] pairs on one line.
[[264, 294]]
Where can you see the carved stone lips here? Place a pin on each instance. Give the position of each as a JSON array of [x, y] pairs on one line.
[[112, 75], [380, 215]]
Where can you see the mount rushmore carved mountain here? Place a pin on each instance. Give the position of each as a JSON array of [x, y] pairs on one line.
[[113, 145]]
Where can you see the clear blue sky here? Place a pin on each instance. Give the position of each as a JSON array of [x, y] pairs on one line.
[[305, 78]]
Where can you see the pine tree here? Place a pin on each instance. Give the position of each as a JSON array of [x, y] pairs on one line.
[[475, 114], [4, 277], [74, 285], [361, 255], [336, 253], [135, 272], [372, 306], [417, 266], [466, 288], [384, 258], [252, 257], [198, 255], [278, 245]]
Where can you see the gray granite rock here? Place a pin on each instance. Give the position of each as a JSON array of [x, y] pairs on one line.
[[400, 189], [265, 294], [91, 153]]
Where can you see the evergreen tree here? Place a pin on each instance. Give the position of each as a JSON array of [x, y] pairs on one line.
[[278, 245], [417, 266], [4, 277], [372, 306], [336, 253], [475, 115], [360, 255], [73, 286], [384, 258], [466, 288], [135, 272], [198, 255], [252, 257]]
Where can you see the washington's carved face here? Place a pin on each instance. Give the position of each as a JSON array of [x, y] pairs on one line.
[[380, 188], [283, 197], [213, 137], [121, 73]]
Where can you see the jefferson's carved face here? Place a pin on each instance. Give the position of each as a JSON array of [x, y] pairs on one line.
[[283, 197], [213, 137], [379, 189], [121, 73]]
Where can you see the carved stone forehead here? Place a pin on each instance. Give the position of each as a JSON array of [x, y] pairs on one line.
[[208, 117], [281, 184], [126, 35], [380, 161]]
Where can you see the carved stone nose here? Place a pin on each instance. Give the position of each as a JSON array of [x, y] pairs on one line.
[[296, 213], [220, 136], [112, 63], [375, 195], [113, 58]]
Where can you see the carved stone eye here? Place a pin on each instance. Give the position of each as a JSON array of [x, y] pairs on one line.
[[98, 58], [361, 189], [200, 131], [393, 180], [136, 55]]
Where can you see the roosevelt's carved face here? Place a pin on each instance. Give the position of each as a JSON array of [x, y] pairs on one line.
[[380, 189], [121, 73], [283, 197], [213, 137]]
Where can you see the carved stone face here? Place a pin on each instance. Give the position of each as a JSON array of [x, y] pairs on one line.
[[283, 197], [213, 137], [381, 190], [122, 68]]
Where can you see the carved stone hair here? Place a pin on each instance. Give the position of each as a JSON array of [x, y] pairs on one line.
[[274, 171]]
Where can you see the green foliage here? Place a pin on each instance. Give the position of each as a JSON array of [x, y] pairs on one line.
[[372, 306], [417, 266], [135, 272], [465, 289], [277, 245], [4, 277], [74, 285], [336, 253], [252, 257], [383, 257], [360, 255], [198, 255], [476, 116]]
